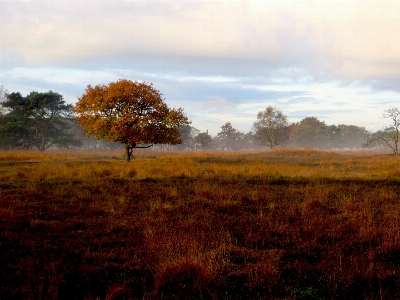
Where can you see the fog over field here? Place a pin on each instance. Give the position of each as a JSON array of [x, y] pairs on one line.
[[223, 61]]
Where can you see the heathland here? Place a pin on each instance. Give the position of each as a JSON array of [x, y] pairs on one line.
[[282, 224]]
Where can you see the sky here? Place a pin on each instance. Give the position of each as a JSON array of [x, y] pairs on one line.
[[222, 61]]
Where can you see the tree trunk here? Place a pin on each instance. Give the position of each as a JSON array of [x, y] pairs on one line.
[[128, 152], [42, 144]]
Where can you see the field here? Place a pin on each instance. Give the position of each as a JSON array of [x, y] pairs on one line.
[[284, 224]]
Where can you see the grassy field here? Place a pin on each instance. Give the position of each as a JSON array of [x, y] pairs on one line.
[[284, 224]]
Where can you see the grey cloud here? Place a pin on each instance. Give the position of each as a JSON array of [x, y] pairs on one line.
[[8, 60], [301, 100], [119, 33], [384, 102], [233, 93], [384, 85], [27, 85], [249, 53], [182, 36]]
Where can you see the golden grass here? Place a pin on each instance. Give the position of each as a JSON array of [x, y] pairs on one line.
[[35, 166]]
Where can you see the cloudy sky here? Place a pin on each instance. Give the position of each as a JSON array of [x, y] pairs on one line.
[[223, 61]]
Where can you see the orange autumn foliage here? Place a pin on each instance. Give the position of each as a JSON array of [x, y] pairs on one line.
[[129, 112]]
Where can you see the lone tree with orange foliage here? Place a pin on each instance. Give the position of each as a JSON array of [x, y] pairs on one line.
[[129, 112]]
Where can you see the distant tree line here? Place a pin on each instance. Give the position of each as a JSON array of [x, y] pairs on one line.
[[308, 133], [272, 129], [43, 120]]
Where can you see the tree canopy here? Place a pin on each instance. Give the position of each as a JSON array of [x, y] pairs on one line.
[[229, 137], [39, 120], [204, 140], [129, 112], [271, 128], [309, 133]]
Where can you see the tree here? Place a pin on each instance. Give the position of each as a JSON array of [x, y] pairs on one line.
[[38, 120], [204, 140], [15, 130], [229, 137], [390, 134], [331, 136], [351, 136], [245, 142], [131, 113], [271, 128], [3, 97], [309, 133], [187, 135]]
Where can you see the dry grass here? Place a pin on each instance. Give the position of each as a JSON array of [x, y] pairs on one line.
[[152, 164], [285, 224]]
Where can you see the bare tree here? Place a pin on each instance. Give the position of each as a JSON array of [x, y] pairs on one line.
[[390, 134]]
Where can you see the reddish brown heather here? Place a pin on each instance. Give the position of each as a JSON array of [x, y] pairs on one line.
[[284, 224]]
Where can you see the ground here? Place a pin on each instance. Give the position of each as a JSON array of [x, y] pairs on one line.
[[283, 224]]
